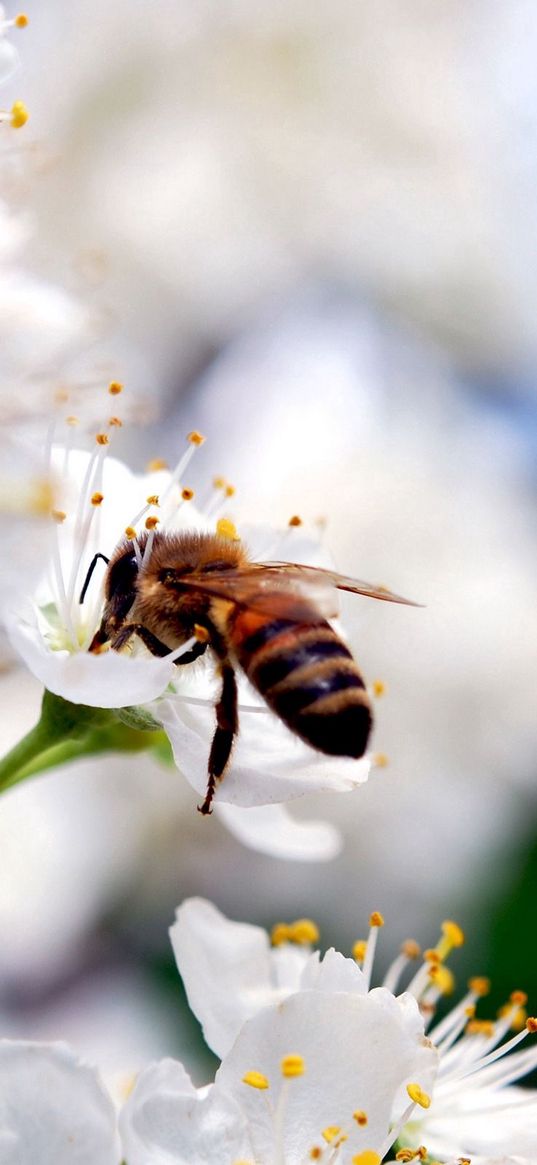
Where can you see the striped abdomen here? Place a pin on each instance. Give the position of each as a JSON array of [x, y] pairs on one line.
[[308, 678]]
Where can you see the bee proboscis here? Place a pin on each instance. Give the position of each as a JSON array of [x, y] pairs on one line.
[[268, 618]]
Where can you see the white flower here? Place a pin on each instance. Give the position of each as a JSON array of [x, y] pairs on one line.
[[474, 1110], [53, 1108], [100, 499], [319, 1076]]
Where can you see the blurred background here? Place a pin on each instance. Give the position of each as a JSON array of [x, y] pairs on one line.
[[308, 231]]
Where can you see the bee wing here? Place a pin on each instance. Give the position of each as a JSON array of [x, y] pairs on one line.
[[286, 589]]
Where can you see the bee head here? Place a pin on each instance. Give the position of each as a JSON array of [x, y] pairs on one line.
[[120, 593]]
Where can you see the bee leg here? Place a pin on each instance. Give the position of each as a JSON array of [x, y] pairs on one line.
[[154, 645], [226, 730], [190, 656]]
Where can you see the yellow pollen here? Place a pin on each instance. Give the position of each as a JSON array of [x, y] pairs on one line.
[[115, 422], [531, 1024], [330, 1133], [406, 1154], [227, 529], [115, 388], [360, 1117], [72, 421], [21, 21], [155, 465], [229, 491], [479, 985], [411, 949], [444, 979], [201, 633], [130, 532], [304, 931], [452, 936], [480, 1027], [19, 114], [376, 919], [416, 1093], [151, 523], [281, 933], [195, 438], [295, 520], [315, 1153], [97, 499], [59, 515], [102, 439], [255, 1080], [152, 500], [368, 1157], [378, 688], [379, 760], [519, 998], [358, 950], [431, 956], [292, 1065], [187, 494]]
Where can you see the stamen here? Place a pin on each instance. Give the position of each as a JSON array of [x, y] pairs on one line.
[[187, 494], [152, 522], [410, 950], [226, 529], [21, 21], [375, 922], [359, 950], [255, 1080], [280, 934], [292, 1065], [330, 1133], [295, 520], [360, 1117], [304, 932], [378, 688], [130, 532], [115, 387], [453, 936], [97, 499], [102, 439], [19, 114], [194, 439], [418, 1096]]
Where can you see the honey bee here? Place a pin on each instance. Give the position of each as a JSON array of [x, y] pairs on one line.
[[270, 619]]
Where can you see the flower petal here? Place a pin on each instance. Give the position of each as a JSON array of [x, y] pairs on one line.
[[270, 829], [110, 680], [53, 1108], [269, 763], [358, 1051], [166, 1120], [202, 939], [9, 60]]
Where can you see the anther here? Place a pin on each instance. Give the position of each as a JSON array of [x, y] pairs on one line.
[[227, 529], [376, 919], [151, 523], [195, 438], [187, 494], [130, 532], [295, 520], [115, 423], [378, 687], [411, 949], [255, 1080], [379, 760], [219, 482], [229, 490], [480, 1027], [368, 1157], [19, 114], [316, 1153], [201, 633], [152, 500], [97, 499], [292, 1065], [359, 949], [416, 1093], [21, 21], [102, 439], [518, 998], [304, 932], [156, 465], [72, 421], [330, 1133], [115, 387], [360, 1117], [59, 515], [444, 979], [452, 936], [531, 1024], [280, 933], [479, 985]]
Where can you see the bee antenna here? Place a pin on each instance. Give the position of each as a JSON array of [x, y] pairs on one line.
[[89, 575]]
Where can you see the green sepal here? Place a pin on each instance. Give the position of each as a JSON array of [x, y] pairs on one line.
[[67, 732]]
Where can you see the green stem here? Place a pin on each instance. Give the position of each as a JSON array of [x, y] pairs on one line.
[[68, 732]]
